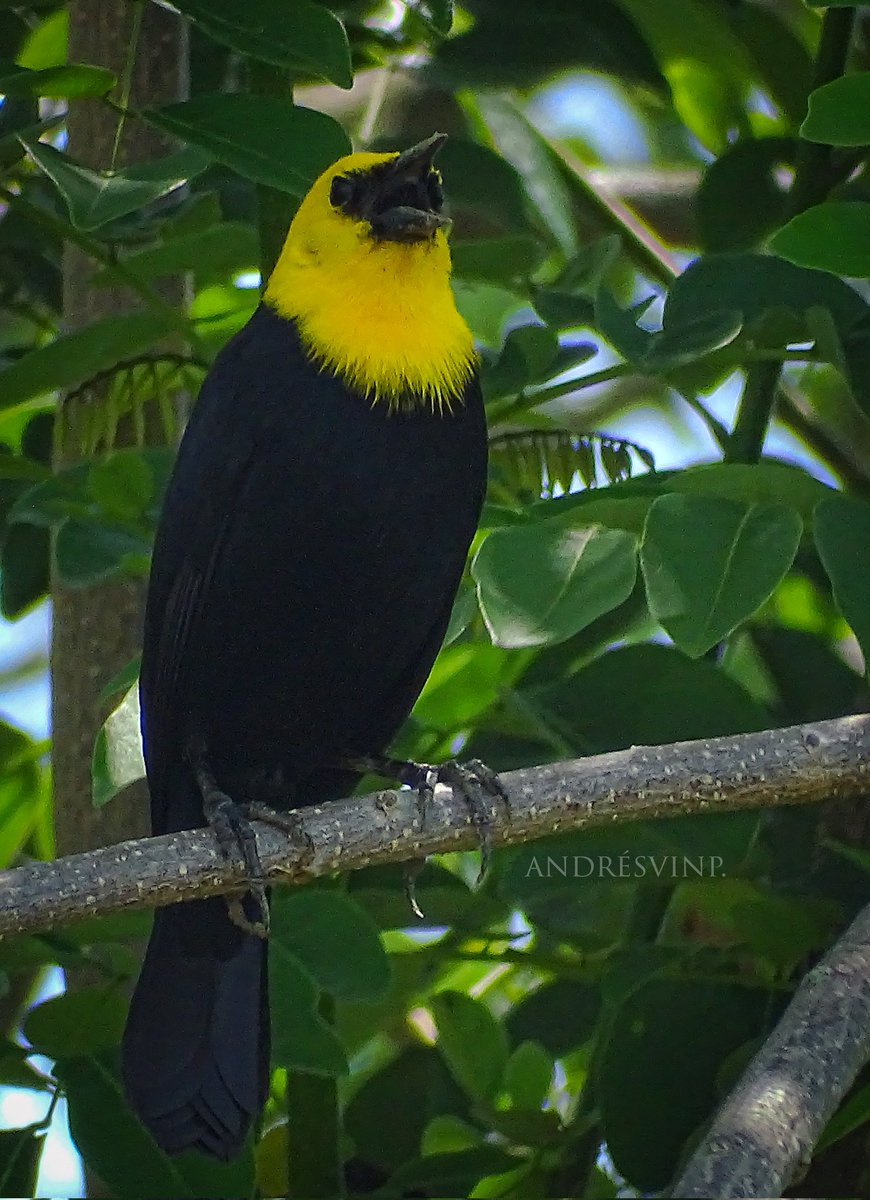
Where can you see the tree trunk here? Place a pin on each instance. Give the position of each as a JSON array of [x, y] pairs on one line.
[[96, 631]]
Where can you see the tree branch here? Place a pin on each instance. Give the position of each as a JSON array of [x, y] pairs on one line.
[[770, 1123], [802, 764]]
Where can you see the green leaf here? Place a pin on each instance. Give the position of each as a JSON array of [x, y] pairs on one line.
[[122, 680], [500, 260], [756, 483], [117, 759], [705, 64], [648, 695], [73, 358], [527, 1075], [67, 82], [753, 284], [464, 682], [89, 552], [416, 1071], [262, 138], [657, 1069], [437, 13], [24, 569], [447, 1134], [620, 326], [811, 680], [23, 791], [774, 298], [542, 173], [679, 345], [301, 37], [708, 564], [839, 112], [526, 465], [853, 1114], [95, 198], [570, 299], [20, 1153], [560, 1016], [46, 43], [301, 1038], [110, 1138], [842, 533], [541, 583], [77, 1023], [461, 615], [528, 352], [530, 43], [336, 941], [472, 1043], [781, 54], [830, 237], [122, 484], [213, 253], [485, 193], [450, 1174], [725, 221]]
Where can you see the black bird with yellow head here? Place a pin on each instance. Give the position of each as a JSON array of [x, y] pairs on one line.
[[312, 539]]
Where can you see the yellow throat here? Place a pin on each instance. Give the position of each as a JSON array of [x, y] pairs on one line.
[[379, 314]]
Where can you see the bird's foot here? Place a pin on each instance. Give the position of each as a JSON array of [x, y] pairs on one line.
[[290, 823], [473, 782], [233, 830], [478, 787]]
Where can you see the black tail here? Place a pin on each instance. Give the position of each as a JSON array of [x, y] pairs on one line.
[[195, 1056]]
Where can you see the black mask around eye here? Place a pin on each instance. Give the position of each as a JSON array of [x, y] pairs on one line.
[[401, 199]]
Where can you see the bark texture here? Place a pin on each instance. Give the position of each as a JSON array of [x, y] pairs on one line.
[[97, 630]]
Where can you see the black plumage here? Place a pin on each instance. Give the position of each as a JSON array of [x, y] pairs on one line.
[[304, 570]]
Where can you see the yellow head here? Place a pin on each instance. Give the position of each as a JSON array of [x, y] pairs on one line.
[[365, 274]]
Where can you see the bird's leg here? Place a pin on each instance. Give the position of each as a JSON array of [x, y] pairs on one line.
[[286, 822], [473, 781], [232, 829]]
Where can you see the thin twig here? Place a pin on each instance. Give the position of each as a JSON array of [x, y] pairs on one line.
[[802, 764]]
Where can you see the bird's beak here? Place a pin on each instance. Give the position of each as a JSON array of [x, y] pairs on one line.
[[405, 214], [415, 163]]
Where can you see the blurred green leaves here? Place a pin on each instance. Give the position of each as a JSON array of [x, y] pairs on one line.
[[304, 38], [264, 139]]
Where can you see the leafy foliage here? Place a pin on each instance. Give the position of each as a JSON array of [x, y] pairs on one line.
[[597, 993]]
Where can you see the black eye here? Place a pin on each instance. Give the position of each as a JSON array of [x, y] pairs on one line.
[[341, 191], [435, 191]]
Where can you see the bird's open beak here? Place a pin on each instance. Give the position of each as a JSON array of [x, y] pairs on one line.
[[404, 211], [417, 161]]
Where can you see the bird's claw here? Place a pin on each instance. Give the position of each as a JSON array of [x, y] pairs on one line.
[[289, 823], [410, 873], [475, 784], [233, 831]]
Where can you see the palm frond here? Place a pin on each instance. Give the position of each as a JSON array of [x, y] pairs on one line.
[[534, 464], [148, 390]]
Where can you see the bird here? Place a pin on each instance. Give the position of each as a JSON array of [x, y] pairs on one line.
[[312, 538]]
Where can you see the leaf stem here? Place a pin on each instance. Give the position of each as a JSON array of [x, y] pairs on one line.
[[127, 80], [505, 409], [812, 177], [812, 182]]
